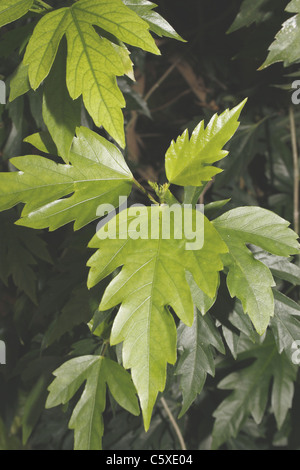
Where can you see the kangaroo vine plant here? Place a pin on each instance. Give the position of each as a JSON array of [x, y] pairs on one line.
[[73, 54]]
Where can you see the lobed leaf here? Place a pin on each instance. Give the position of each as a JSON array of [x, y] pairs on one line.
[[285, 47], [252, 394], [93, 60], [152, 279], [86, 419], [189, 160], [197, 358], [249, 279], [98, 175]]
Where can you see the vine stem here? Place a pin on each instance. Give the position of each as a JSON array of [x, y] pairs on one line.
[[174, 424], [296, 168], [141, 188]]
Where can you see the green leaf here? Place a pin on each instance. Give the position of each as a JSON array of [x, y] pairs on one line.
[[86, 419], [156, 22], [188, 160], [259, 227], [279, 266], [249, 279], [15, 39], [284, 376], [43, 142], [19, 250], [242, 322], [61, 114], [14, 142], [286, 323], [75, 312], [197, 359], [236, 326], [252, 393], [93, 61], [232, 340], [34, 406], [251, 282], [8, 441], [285, 47], [134, 100], [211, 209], [152, 278], [12, 10], [19, 82], [252, 11], [98, 175], [201, 300], [43, 45]]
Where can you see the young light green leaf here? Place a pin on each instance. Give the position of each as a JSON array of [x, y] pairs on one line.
[[152, 278], [251, 395], [12, 10], [61, 114], [93, 61], [189, 160], [98, 175], [249, 279], [197, 359], [285, 47], [86, 419]]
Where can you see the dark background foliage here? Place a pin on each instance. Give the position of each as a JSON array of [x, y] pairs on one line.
[[43, 299]]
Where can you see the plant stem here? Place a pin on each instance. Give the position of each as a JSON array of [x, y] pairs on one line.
[[43, 4], [174, 424], [296, 169], [141, 188], [104, 348], [161, 79]]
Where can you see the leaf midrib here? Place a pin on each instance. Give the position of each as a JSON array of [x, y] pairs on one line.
[[96, 82]]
